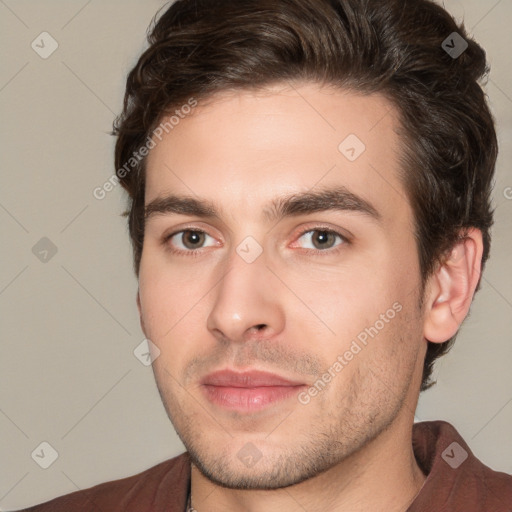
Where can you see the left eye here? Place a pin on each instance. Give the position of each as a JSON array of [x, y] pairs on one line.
[[321, 239]]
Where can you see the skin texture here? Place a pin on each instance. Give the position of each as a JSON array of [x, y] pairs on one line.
[[349, 447]]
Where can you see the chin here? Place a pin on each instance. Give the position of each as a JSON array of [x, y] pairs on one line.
[[247, 468]]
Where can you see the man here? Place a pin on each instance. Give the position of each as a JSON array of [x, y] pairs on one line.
[[309, 188]]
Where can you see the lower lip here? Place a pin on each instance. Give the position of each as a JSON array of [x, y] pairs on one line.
[[249, 399]]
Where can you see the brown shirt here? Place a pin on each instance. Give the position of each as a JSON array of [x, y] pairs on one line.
[[457, 482]]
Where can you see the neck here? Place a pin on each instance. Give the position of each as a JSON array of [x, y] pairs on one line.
[[382, 476]]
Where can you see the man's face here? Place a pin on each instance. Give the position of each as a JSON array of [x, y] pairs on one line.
[[321, 291]]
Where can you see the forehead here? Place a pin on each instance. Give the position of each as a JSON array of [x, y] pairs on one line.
[[244, 149]]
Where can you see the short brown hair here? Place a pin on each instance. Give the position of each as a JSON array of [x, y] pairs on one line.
[[392, 47]]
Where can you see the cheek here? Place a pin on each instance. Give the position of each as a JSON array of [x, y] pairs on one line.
[[174, 311], [343, 300], [168, 295], [396, 353], [365, 312]]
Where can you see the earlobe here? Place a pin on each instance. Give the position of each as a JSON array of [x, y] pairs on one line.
[[450, 289]]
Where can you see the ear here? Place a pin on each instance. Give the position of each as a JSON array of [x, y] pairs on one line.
[[451, 287], [142, 326]]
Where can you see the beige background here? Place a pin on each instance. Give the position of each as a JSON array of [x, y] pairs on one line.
[[70, 325]]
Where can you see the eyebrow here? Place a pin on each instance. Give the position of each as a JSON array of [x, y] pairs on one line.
[[302, 203]]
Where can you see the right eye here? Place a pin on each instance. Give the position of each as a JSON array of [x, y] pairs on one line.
[[188, 240]]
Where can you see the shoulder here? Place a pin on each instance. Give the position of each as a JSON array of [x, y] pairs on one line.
[[456, 478], [158, 487]]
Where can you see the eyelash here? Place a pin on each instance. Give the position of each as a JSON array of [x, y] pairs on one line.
[[197, 252]]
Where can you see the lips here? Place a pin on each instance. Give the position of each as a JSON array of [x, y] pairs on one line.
[[251, 379], [248, 391]]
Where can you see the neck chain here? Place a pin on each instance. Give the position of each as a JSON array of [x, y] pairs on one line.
[[190, 508]]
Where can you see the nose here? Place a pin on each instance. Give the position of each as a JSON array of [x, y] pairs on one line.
[[246, 302]]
